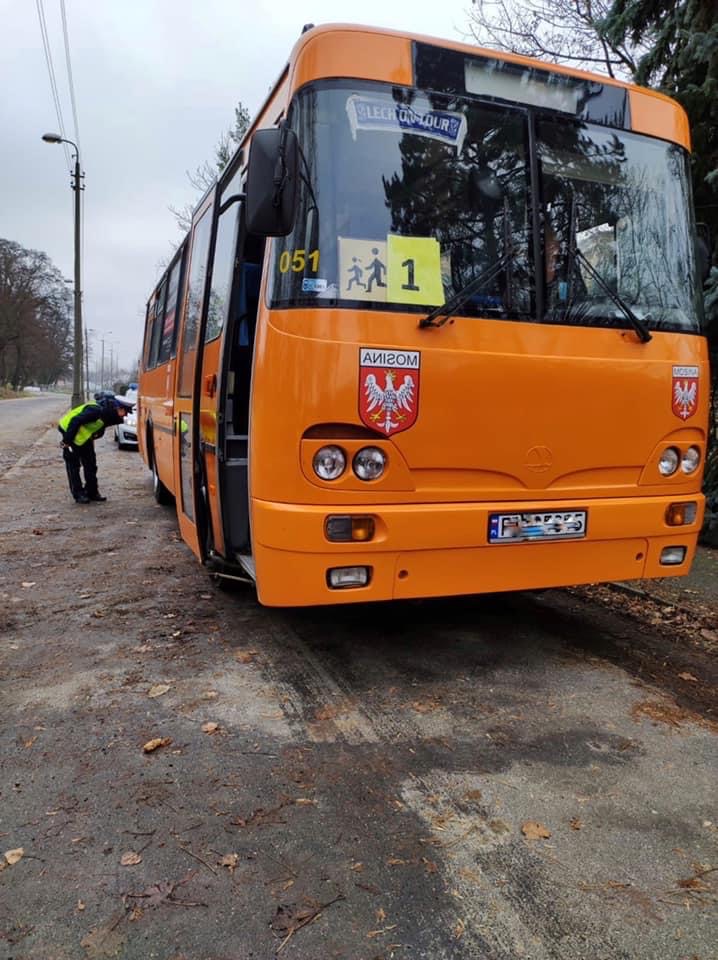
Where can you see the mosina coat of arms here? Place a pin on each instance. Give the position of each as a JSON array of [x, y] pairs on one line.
[[389, 388], [685, 391]]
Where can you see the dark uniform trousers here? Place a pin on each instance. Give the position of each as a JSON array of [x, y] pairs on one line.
[[82, 456]]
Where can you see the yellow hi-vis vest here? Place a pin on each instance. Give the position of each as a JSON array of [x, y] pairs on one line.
[[87, 430]]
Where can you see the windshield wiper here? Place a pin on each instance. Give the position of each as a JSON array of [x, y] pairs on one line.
[[575, 251], [644, 335], [448, 309]]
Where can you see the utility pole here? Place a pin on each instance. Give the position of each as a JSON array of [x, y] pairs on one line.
[[77, 393]]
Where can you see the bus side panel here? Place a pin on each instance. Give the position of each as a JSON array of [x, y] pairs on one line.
[[155, 421]]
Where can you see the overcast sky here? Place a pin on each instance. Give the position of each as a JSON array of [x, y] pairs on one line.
[[156, 83]]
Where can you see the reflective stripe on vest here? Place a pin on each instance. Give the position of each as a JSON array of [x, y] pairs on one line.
[[87, 430]]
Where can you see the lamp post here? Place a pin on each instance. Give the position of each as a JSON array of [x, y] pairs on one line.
[[77, 393]]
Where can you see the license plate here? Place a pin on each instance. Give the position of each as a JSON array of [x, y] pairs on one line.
[[549, 525]]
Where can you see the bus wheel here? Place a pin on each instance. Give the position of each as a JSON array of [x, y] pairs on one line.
[[159, 490]]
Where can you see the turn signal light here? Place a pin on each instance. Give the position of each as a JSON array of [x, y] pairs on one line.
[[339, 528], [680, 514]]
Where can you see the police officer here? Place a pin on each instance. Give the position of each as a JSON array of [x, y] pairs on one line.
[[79, 428]]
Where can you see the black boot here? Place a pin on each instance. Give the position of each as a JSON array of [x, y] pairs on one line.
[[82, 498], [97, 497]]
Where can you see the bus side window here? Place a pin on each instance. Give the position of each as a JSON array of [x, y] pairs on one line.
[[157, 326]]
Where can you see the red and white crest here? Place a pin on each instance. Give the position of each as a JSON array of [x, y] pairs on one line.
[[389, 388], [685, 391]]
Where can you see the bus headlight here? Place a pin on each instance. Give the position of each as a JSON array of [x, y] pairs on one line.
[[690, 460], [329, 462], [369, 463], [668, 464]]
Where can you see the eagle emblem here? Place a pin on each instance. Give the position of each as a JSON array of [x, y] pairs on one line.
[[388, 389], [685, 391]]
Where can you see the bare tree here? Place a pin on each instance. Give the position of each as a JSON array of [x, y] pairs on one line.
[[204, 175], [562, 31], [35, 317]]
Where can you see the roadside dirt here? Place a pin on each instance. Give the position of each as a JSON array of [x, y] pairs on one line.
[[498, 778]]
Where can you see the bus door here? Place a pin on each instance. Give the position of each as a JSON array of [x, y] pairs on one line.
[[185, 426], [211, 408]]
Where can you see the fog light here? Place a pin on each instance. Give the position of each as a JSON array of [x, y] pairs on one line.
[[339, 578], [690, 460], [369, 463], [668, 464], [329, 462], [671, 556], [344, 528], [680, 514]]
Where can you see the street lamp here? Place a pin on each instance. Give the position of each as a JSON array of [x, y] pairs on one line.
[[77, 393]]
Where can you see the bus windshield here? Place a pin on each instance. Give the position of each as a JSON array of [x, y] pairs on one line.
[[406, 197], [616, 205]]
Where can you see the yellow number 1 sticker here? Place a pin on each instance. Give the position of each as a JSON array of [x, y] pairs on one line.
[[414, 270]]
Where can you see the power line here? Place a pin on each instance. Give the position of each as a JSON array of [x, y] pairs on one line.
[[69, 73], [51, 74]]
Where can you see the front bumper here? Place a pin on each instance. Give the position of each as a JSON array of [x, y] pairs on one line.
[[432, 550]]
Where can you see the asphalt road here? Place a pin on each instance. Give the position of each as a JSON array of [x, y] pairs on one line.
[[490, 778], [24, 420]]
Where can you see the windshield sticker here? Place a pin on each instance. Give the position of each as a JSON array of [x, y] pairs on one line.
[[388, 388], [414, 270], [362, 268], [312, 285], [375, 113], [685, 391]]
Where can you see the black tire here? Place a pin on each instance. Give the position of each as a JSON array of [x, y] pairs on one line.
[[159, 490]]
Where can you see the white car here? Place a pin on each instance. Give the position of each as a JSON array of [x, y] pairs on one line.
[[126, 432]]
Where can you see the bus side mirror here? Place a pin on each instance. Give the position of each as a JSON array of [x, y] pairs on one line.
[[272, 182]]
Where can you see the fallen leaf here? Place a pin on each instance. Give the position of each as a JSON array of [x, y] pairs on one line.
[[38, 533], [472, 795], [210, 695], [80, 904], [533, 830], [152, 745], [575, 823], [130, 858], [136, 913], [230, 860], [105, 940], [12, 856], [210, 727], [305, 802], [245, 656], [688, 676], [28, 583], [380, 915], [158, 690], [459, 930], [28, 743]]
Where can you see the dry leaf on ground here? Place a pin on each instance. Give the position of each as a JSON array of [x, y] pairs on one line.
[[152, 745], [13, 856], [688, 676], [158, 689], [210, 727], [130, 858], [245, 656], [533, 830], [230, 860]]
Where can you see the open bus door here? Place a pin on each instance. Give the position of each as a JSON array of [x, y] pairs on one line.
[[212, 402], [186, 427]]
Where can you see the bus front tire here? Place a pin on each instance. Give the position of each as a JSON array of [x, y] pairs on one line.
[[159, 490]]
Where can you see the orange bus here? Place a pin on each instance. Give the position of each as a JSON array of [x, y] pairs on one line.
[[436, 330]]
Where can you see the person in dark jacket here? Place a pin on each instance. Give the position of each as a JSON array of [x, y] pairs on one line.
[[79, 428]]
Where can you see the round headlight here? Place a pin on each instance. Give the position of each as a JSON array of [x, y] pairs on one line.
[[329, 462], [369, 463], [668, 464], [690, 460]]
